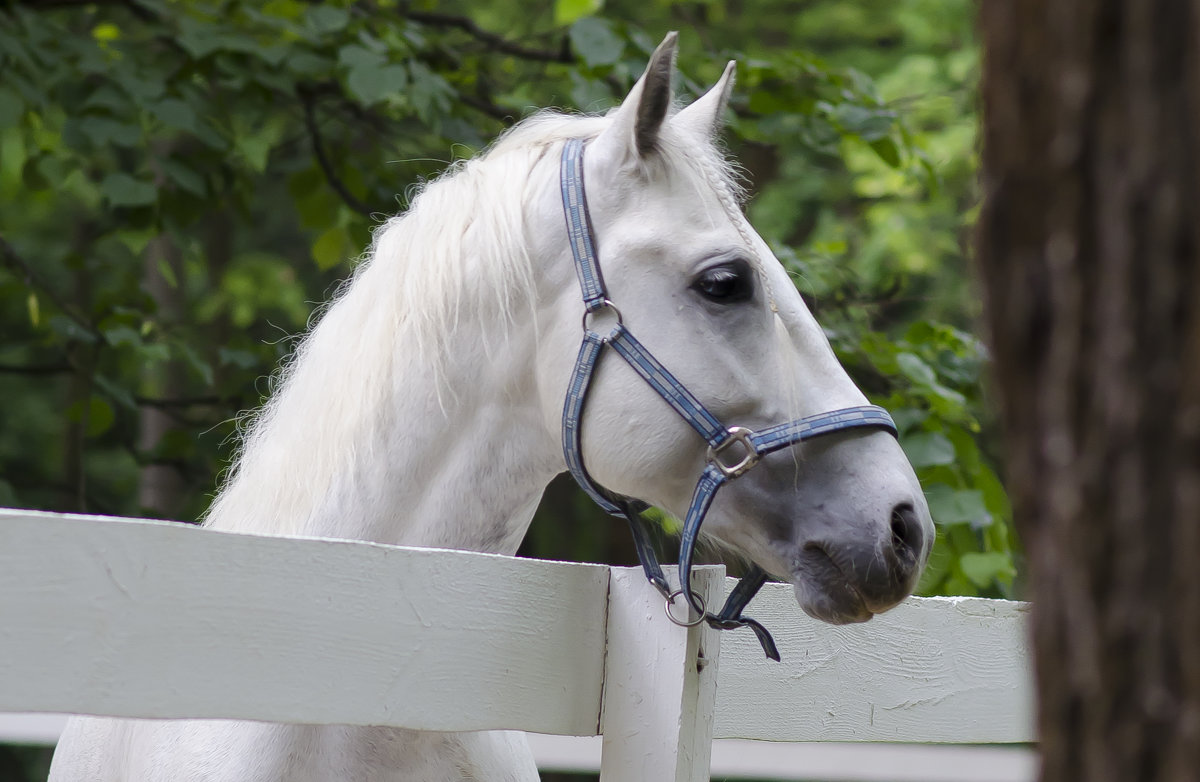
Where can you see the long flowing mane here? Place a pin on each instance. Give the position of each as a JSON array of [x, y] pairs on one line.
[[457, 256]]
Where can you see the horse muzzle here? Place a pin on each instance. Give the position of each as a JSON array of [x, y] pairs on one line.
[[851, 580]]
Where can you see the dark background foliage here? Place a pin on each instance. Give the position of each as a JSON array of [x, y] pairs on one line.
[[182, 184]]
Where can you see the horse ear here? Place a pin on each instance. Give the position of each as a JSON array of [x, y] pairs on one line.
[[637, 121], [706, 115]]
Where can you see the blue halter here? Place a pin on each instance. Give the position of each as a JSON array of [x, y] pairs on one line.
[[731, 451]]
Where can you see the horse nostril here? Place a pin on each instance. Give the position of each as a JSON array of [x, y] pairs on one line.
[[907, 537]]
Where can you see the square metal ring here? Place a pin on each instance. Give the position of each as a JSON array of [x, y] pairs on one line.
[[737, 434]]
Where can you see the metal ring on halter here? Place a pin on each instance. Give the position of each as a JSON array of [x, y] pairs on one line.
[[702, 611], [737, 434], [606, 304]]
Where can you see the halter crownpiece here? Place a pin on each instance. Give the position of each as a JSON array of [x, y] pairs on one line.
[[732, 451]]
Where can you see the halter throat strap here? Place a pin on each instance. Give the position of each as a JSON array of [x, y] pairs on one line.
[[731, 450]]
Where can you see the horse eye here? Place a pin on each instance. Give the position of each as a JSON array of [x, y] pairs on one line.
[[724, 284]]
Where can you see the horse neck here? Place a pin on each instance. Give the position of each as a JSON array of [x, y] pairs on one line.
[[367, 439]]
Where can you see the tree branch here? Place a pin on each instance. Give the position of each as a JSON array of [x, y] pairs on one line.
[[23, 269], [134, 7], [35, 369], [497, 43], [506, 116], [314, 134], [187, 401]]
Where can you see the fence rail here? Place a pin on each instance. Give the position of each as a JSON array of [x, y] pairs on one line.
[[151, 619]]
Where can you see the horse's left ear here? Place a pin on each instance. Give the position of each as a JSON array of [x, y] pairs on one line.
[[637, 121], [706, 115]]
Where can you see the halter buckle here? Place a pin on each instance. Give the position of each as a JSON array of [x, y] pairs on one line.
[[741, 435]]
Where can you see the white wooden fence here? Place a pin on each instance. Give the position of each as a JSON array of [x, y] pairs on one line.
[[151, 619]]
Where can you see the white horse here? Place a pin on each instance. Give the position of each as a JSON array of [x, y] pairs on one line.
[[425, 410]]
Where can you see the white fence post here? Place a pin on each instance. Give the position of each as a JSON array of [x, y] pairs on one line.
[[660, 683]]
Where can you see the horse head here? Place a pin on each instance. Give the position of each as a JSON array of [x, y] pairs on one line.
[[841, 517]]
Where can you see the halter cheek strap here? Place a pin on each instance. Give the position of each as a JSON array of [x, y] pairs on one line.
[[731, 450]]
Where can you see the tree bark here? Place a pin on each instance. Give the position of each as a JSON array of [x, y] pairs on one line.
[[1088, 253], [161, 488]]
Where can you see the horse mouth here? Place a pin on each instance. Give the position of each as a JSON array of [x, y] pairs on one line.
[[823, 590]]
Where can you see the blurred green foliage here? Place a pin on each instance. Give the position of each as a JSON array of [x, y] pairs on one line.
[[183, 182]]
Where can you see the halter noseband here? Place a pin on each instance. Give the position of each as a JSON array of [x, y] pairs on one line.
[[731, 451]]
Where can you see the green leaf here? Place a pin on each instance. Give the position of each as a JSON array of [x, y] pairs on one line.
[[887, 150], [117, 392], [174, 113], [926, 449], [957, 585], [12, 108], [430, 93], [31, 175], [123, 335], [332, 247], [327, 18], [372, 83], [121, 189], [868, 124], [192, 358], [308, 63], [567, 11], [100, 415], [985, 567], [283, 9], [907, 417], [185, 177], [596, 42], [32, 306], [102, 131], [143, 87], [106, 32], [135, 240], [316, 203], [255, 145], [589, 94], [941, 558], [152, 353], [175, 444], [168, 273], [950, 506], [915, 369], [242, 359], [201, 39], [356, 56], [69, 330]]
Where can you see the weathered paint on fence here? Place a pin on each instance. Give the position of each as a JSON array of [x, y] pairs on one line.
[[952, 670], [152, 619], [732, 758], [146, 619], [658, 695]]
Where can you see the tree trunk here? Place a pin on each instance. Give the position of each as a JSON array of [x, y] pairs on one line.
[[1088, 252], [161, 488]]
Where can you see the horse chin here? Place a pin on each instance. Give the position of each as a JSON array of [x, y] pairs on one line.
[[824, 592]]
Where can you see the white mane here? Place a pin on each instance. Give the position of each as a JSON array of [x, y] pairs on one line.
[[457, 258]]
